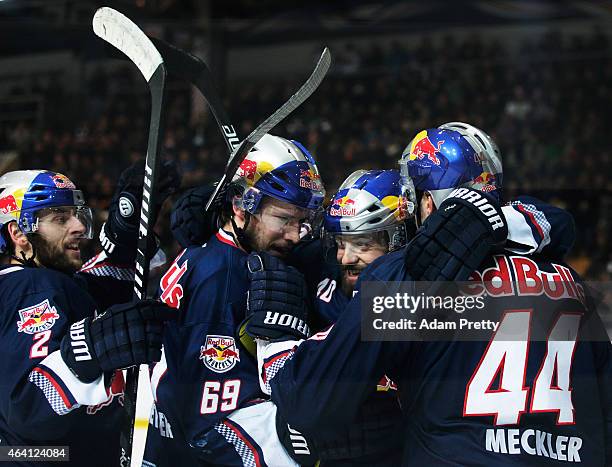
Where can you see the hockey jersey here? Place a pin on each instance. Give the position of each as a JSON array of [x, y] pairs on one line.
[[374, 436], [206, 385], [41, 401], [520, 401]]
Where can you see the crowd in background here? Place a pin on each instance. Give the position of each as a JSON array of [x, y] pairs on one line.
[[546, 103]]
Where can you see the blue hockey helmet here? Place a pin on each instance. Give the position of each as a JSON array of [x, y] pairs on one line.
[[282, 169], [25, 194], [367, 202], [453, 155]]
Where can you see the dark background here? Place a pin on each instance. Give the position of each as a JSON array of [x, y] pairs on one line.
[[534, 75]]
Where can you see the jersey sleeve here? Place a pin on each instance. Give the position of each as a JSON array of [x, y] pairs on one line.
[[40, 395], [538, 228], [107, 280], [321, 384], [336, 365]]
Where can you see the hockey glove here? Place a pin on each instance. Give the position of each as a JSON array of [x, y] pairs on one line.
[[299, 447], [189, 223], [276, 301], [123, 336], [454, 240], [119, 235]]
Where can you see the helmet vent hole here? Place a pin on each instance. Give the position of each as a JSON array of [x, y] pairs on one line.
[[277, 186], [480, 140], [375, 220], [373, 208]]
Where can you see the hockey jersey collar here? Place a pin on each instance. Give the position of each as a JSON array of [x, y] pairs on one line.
[[226, 237]]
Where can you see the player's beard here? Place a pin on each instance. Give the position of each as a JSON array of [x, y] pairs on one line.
[[259, 242], [54, 256], [349, 280]]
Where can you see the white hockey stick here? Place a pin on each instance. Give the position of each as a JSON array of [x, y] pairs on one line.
[[122, 33]]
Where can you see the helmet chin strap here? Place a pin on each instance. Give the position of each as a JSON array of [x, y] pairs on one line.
[[25, 261], [239, 233]]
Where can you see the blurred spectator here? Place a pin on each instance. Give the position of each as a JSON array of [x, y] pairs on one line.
[[546, 102]]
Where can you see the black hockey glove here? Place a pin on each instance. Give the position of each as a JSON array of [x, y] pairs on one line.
[[189, 223], [299, 447], [277, 300], [454, 240], [123, 336], [119, 235]]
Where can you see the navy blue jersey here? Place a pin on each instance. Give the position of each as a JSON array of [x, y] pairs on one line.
[[469, 403], [374, 437], [41, 401], [206, 374]]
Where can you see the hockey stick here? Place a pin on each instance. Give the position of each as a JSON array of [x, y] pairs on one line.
[[122, 33], [238, 155], [194, 70]]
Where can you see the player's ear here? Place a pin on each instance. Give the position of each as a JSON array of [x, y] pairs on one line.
[[427, 206], [19, 239], [239, 213]]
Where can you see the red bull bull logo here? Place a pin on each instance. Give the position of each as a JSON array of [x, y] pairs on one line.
[[219, 353], [247, 170], [8, 204], [485, 182], [423, 147], [386, 384], [310, 179], [61, 181], [37, 318], [484, 177], [344, 206]]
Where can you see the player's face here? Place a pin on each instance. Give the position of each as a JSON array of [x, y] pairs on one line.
[[276, 227], [355, 252], [58, 239]]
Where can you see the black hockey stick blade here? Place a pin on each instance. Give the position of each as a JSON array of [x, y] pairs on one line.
[[194, 70], [123, 34], [238, 155]]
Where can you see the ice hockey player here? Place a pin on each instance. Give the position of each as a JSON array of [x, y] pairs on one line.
[[58, 385], [515, 399], [366, 219], [207, 372]]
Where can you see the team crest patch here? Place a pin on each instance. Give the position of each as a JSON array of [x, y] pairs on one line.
[[37, 318], [219, 353]]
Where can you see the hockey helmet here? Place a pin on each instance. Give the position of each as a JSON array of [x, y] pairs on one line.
[[453, 155], [26, 194], [282, 169], [368, 202]]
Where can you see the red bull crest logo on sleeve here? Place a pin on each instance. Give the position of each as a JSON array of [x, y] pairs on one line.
[[8, 204], [310, 179], [219, 353], [37, 318], [343, 207], [422, 147]]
